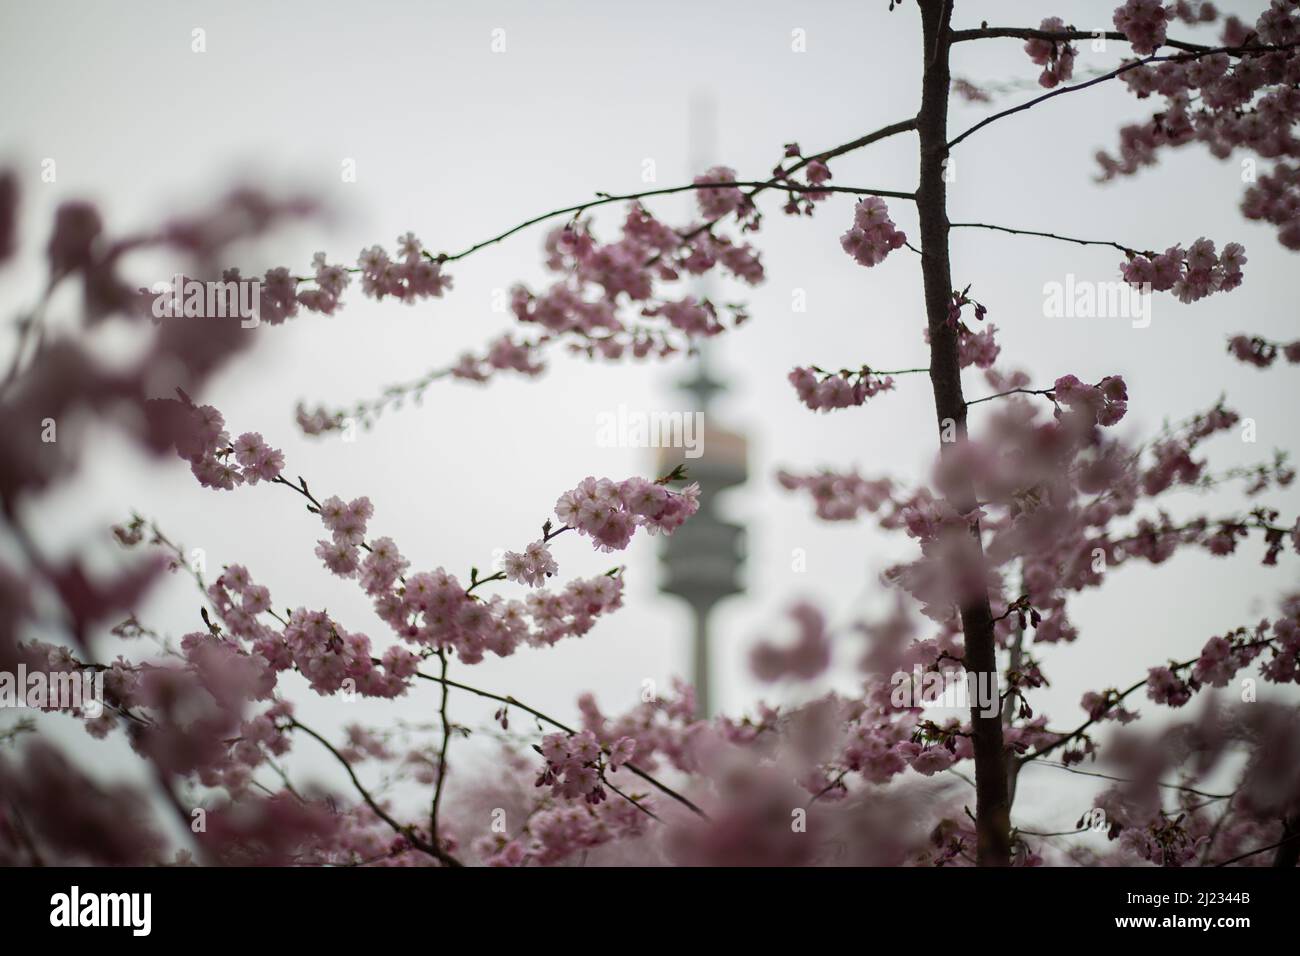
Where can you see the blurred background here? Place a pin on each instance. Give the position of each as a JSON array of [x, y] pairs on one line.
[[457, 142]]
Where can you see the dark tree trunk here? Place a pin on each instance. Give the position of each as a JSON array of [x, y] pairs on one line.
[[992, 806]]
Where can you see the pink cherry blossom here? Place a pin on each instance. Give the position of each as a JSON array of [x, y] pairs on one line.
[[873, 234], [1056, 57]]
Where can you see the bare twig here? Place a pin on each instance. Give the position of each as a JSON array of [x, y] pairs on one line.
[[1047, 235], [406, 831], [442, 754]]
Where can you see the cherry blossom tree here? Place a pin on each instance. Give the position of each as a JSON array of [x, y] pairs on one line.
[[1031, 501]]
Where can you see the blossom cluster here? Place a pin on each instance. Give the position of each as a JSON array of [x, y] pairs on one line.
[[1106, 706], [1102, 404], [928, 760], [808, 656], [839, 496], [1055, 57], [433, 610], [1166, 687], [660, 727], [412, 276], [977, 348], [718, 201], [1027, 474], [629, 266], [532, 566], [310, 642], [331, 280], [1273, 197], [1223, 656], [1244, 100], [556, 833], [1143, 22], [583, 307], [823, 391], [873, 234], [584, 311], [1141, 825], [1051, 492], [610, 512], [980, 349], [878, 744], [1260, 352], [802, 200], [201, 439], [1191, 274], [575, 764], [346, 523]]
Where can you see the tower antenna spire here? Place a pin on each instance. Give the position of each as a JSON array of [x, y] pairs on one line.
[[703, 558]]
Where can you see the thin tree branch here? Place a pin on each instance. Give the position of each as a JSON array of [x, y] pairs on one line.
[[1168, 786], [1047, 235], [29, 325], [1263, 849], [837, 782], [1214, 833], [406, 831], [1133, 65], [1035, 833], [988, 33], [636, 803], [302, 489], [1074, 734], [545, 718], [604, 199], [442, 755], [1013, 391]]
